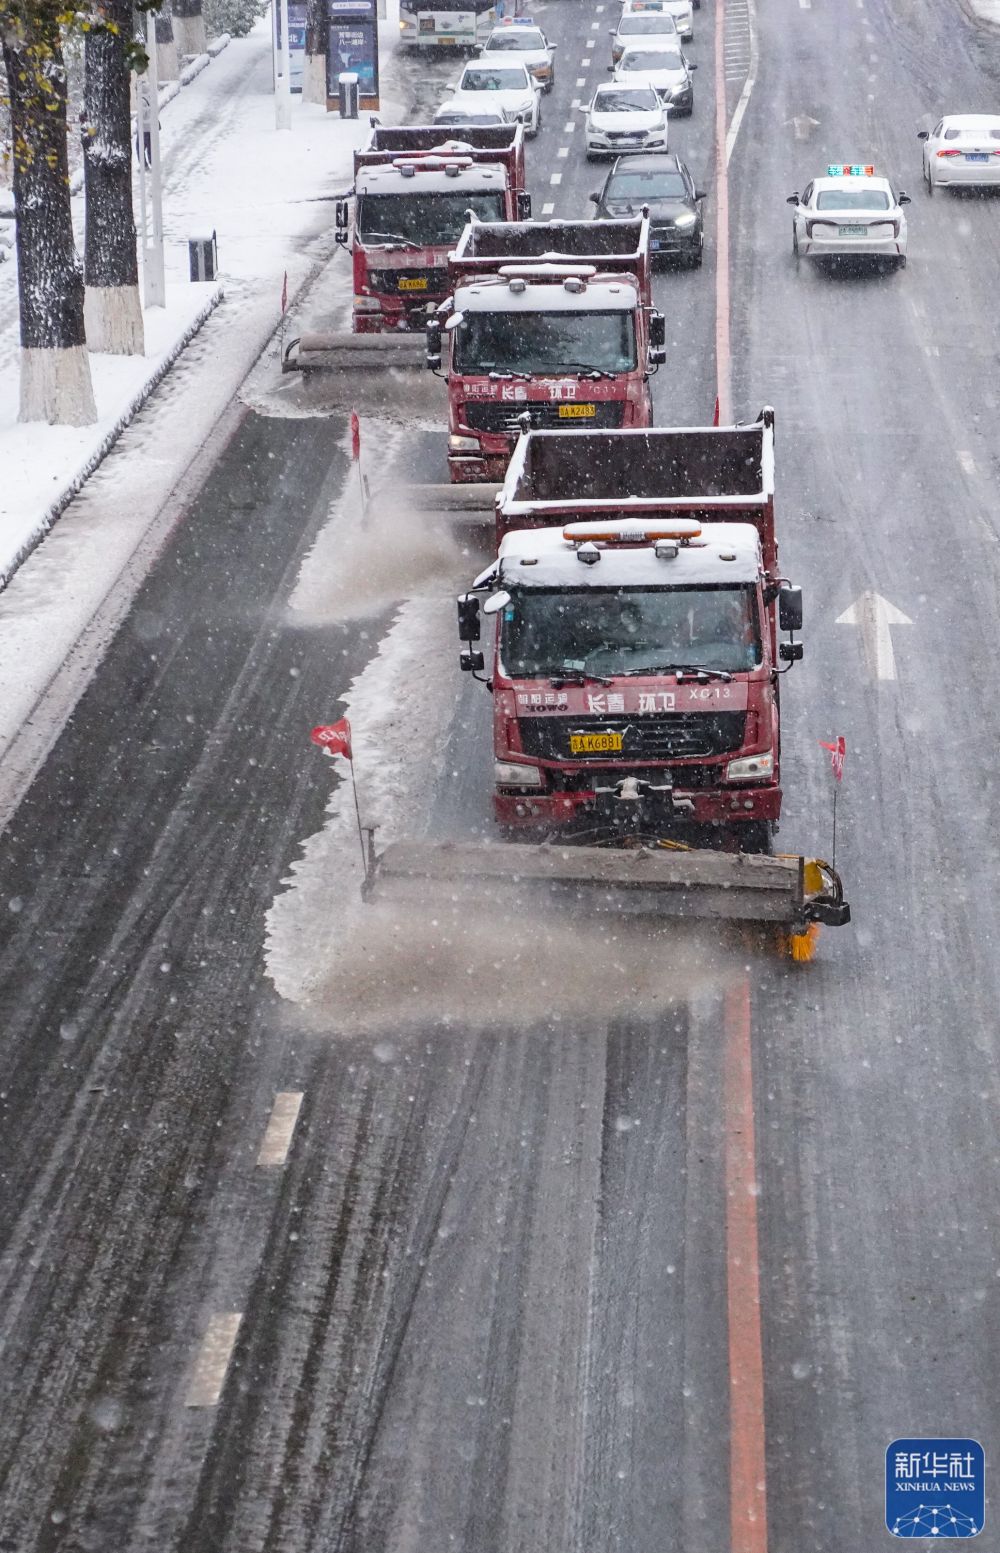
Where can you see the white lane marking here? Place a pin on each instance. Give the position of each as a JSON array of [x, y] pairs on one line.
[[967, 461], [917, 308], [582, 81], [874, 615], [585, 64], [556, 178], [569, 126], [280, 1127], [209, 1374], [548, 208], [748, 85], [594, 26], [563, 151], [806, 4], [932, 350], [598, 9]]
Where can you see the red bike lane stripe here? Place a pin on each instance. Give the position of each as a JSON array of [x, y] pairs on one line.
[[747, 1481], [723, 370]]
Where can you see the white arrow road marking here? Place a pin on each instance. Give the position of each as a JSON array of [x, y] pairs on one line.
[[803, 125], [875, 615]]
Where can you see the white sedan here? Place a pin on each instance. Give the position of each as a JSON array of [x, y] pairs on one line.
[[657, 31], [962, 152], [510, 87], [624, 118], [849, 214], [682, 12], [665, 70], [528, 45]]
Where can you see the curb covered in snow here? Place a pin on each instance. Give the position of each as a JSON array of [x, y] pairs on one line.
[[83, 473], [986, 12]]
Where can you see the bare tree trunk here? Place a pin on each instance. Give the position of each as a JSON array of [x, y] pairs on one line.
[[314, 70], [55, 368], [189, 26], [166, 47], [111, 309]]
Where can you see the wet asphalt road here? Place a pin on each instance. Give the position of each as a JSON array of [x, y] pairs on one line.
[[483, 1303]]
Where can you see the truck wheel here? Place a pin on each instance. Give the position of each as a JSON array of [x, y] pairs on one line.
[[756, 836]]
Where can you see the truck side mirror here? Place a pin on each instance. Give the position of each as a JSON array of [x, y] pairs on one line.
[[468, 618], [657, 330], [790, 609], [523, 205], [341, 221], [433, 356], [790, 652]]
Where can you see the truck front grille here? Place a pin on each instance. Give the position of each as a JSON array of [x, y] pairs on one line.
[[650, 736], [480, 416]]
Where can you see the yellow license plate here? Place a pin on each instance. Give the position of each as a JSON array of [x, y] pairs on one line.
[[577, 412], [595, 743], [418, 283]]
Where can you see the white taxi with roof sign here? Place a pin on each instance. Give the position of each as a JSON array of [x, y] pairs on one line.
[[518, 37], [848, 214], [682, 12]]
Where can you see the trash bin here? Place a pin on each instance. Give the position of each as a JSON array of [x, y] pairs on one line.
[[347, 83], [203, 257]]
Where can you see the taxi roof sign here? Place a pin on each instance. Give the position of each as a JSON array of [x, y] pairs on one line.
[[849, 170]]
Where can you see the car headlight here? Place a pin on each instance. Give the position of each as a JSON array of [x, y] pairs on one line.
[[510, 773], [688, 219], [751, 768], [458, 444]]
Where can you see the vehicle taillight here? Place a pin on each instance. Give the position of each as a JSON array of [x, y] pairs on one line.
[[949, 153]]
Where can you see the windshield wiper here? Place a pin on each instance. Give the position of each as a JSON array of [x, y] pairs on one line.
[[578, 677], [510, 372], [582, 369], [682, 671], [391, 238]]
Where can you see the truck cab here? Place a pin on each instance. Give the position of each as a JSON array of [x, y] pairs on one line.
[[414, 188], [634, 680]]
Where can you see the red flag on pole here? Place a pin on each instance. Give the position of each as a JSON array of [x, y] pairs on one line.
[[355, 436], [335, 738], [284, 294], [838, 751]]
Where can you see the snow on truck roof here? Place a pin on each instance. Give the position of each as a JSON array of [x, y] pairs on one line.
[[544, 558], [388, 179], [603, 294]]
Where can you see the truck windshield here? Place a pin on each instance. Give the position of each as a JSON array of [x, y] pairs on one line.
[[423, 218], [629, 631], [545, 342]]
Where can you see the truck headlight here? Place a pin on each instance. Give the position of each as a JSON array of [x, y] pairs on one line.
[[463, 444], [751, 768], [510, 773], [367, 305]]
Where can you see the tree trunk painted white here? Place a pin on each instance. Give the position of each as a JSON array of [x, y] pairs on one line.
[[314, 79], [189, 34], [111, 307], [55, 368], [317, 36], [56, 387], [166, 48], [113, 317]]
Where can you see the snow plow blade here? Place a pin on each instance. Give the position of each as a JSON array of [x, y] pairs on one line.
[[789, 892], [478, 499], [344, 352]]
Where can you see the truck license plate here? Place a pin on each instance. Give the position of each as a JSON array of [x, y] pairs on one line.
[[595, 743], [417, 283], [577, 412], [852, 231]]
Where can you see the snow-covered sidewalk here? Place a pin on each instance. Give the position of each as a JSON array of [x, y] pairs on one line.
[[228, 170]]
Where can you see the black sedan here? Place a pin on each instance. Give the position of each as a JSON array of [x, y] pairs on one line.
[[661, 181]]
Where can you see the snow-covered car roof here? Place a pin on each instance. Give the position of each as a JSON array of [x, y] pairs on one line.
[[724, 553]]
